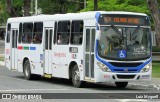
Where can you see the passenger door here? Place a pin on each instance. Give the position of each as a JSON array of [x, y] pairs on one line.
[[89, 52], [48, 50], [14, 33]]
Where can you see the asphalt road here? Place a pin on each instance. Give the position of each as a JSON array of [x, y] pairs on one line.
[[14, 82]]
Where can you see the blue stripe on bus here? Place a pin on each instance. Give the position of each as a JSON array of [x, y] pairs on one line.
[[97, 16], [113, 68], [32, 48]]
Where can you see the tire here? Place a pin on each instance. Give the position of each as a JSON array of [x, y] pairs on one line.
[[121, 84], [76, 77], [27, 70]]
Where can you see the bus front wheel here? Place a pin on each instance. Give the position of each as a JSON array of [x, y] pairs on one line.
[[121, 84], [27, 70], [76, 77]]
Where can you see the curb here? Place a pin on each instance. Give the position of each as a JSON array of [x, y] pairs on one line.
[[2, 63], [150, 86]]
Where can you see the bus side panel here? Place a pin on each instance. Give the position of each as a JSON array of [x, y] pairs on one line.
[[7, 51], [60, 61], [33, 54], [36, 58], [22, 54], [20, 58], [80, 61]]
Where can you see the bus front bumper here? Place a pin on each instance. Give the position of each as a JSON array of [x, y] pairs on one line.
[[101, 76]]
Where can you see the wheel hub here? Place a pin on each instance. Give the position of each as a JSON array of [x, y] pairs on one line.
[[76, 76]]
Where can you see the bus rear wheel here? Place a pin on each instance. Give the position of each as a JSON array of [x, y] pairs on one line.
[[27, 70], [121, 84], [76, 77]]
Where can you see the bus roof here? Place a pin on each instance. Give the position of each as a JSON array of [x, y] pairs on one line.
[[68, 16]]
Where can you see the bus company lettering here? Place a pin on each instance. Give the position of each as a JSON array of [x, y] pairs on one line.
[[59, 54], [139, 50], [7, 51]]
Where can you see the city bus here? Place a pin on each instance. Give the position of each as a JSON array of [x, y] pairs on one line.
[[93, 46]]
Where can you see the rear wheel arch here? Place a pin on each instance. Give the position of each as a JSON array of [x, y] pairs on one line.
[[71, 65], [25, 59]]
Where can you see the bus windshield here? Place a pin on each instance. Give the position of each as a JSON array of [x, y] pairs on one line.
[[124, 43]]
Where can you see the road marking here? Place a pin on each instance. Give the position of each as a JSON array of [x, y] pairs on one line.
[[132, 100], [149, 86], [11, 78], [31, 90]]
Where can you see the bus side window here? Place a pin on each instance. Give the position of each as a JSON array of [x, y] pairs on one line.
[[77, 32], [27, 32], [8, 33], [37, 33], [55, 32], [20, 33], [63, 32]]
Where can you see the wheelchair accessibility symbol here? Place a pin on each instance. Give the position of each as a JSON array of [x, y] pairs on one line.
[[122, 54]]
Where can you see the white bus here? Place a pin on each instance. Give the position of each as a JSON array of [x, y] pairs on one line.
[[95, 46]]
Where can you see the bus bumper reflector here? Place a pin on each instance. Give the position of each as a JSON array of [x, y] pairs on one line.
[[47, 75]]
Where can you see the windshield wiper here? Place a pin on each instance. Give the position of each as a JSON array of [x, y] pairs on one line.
[[117, 31], [134, 32]]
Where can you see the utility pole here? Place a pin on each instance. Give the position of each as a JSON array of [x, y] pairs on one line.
[[36, 7], [32, 7], [84, 3]]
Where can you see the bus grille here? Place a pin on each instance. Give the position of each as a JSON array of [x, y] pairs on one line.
[[125, 76], [118, 64], [123, 70]]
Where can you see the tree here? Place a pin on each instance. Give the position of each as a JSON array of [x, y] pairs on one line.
[[95, 5], [153, 6], [26, 7], [14, 7], [60, 6], [11, 11], [119, 5]]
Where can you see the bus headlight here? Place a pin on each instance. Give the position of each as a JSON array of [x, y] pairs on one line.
[[146, 68], [103, 67]]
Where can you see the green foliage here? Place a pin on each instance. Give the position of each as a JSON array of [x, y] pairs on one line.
[[120, 1], [155, 49], [3, 12], [136, 2], [155, 69], [119, 5], [1, 58], [60, 6], [17, 5]]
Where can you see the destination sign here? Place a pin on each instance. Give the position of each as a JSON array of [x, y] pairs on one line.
[[123, 20]]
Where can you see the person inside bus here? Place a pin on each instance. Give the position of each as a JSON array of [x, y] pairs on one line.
[[59, 41], [80, 38], [36, 39], [26, 38]]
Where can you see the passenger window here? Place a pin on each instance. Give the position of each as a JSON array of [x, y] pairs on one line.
[[63, 32], [55, 32], [37, 34], [20, 33], [8, 32], [27, 32], [77, 32]]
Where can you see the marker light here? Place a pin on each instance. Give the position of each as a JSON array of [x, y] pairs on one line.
[[146, 68], [103, 67]]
